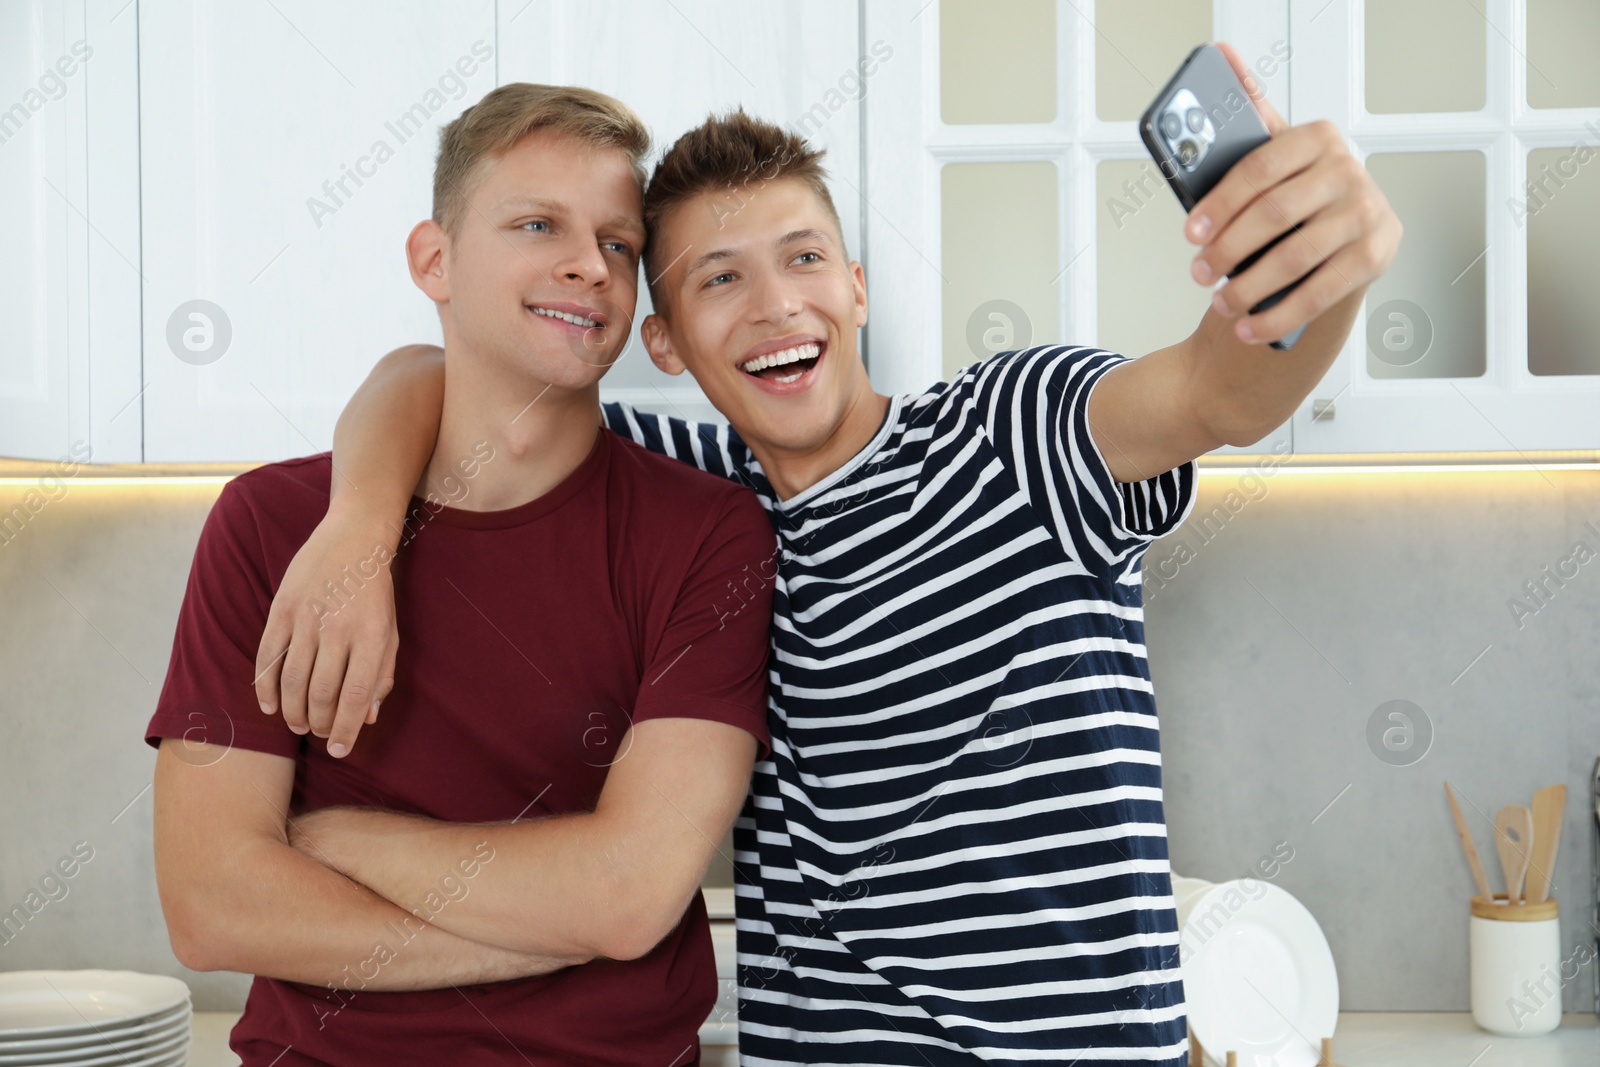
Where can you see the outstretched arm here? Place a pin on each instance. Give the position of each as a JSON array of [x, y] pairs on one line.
[[609, 883], [237, 897], [328, 671], [1223, 384]]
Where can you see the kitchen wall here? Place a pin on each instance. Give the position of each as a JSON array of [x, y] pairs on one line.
[[1276, 629], [1289, 610], [91, 587]]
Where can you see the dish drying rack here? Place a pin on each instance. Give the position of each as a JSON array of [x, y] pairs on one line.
[[1197, 1054]]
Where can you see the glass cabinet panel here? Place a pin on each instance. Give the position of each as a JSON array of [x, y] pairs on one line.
[[1424, 55], [1137, 46], [1147, 298], [1563, 225], [999, 259], [1563, 37], [997, 61], [1425, 315]]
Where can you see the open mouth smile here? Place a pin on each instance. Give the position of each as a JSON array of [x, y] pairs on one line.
[[786, 366]]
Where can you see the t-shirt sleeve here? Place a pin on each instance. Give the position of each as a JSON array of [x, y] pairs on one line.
[[209, 692], [711, 446], [710, 658], [1035, 408]]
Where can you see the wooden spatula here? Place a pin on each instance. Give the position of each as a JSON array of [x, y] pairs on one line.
[[1549, 805], [1469, 847], [1513, 837]]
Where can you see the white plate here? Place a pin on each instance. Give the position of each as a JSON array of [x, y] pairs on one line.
[[124, 1043], [60, 1003], [175, 1058], [10, 1049], [1258, 977], [169, 1046]]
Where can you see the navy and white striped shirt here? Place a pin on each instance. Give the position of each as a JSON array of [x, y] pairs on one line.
[[956, 852]]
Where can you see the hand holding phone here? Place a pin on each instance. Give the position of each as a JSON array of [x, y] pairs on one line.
[[1203, 122]]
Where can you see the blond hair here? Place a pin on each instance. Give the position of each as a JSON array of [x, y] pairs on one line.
[[492, 126]]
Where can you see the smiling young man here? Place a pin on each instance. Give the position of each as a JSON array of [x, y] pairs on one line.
[[956, 851], [507, 871]]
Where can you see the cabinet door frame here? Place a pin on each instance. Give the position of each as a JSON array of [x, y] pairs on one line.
[[1508, 409], [80, 385], [908, 144]]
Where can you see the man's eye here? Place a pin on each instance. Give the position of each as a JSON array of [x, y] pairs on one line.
[[619, 247], [545, 226], [720, 278], [808, 257]]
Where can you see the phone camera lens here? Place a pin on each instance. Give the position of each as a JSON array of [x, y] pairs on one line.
[[1195, 118], [1171, 125], [1188, 152]]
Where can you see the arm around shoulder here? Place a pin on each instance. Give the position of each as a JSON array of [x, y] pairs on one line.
[[382, 444]]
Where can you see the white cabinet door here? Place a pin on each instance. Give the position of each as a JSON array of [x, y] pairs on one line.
[[287, 149], [69, 381], [1484, 335], [42, 289], [793, 62]]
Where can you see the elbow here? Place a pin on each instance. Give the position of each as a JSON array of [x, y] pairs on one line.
[[202, 937], [632, 932], [629, 941], [195, 942], [1245, 430], [1248, 437]]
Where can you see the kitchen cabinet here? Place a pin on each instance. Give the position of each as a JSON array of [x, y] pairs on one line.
[[1007, 188], [231, 193], [1483, 128], [208, 230]]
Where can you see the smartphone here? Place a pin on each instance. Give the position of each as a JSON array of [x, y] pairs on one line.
[[1199, 125]]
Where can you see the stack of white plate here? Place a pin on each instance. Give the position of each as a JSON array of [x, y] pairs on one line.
[[93, 1019]]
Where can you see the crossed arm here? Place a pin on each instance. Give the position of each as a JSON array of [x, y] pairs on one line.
[[239, 894], [237, 897], [608, 883]]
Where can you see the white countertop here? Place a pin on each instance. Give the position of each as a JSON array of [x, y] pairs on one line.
[[1364, 1039]]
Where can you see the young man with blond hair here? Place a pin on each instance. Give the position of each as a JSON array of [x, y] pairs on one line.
[[956, 852], [508, 870]]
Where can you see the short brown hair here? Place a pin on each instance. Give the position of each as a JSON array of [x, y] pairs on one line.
[[492, 126], [730, 151]]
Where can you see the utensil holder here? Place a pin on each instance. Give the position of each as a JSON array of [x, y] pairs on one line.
[[1514, 953]]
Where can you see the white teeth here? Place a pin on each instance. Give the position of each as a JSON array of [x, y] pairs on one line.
[[778, 359], [576, 320], [786, 378]]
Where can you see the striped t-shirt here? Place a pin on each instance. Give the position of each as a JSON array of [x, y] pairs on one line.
[[956, 852]]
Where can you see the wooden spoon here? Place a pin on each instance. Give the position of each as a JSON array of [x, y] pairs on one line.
[[1473, 863], [1549, 805], [1513, 838]]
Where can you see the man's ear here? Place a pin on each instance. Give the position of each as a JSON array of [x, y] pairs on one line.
[[858, 280], [425, 254], [658, 342]]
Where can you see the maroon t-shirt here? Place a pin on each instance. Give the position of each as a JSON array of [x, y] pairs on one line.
[[529, 639]]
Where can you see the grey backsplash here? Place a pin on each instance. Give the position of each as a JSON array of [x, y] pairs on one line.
[[1275, 632]]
